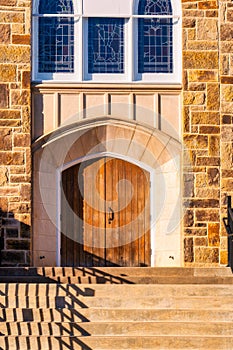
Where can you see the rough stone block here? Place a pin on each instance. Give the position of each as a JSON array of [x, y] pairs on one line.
[[226, 32], [20, 97], [22, 140], [207, 215], [12, 258], [230, 15], [21, 39], [3, 175], [200, 241], [10, 114], [7, 72], [212, 118], [209, 129], [200, 59], [5, 139], [25, 191], [208, 161], [227, 155], [226, 80], [214, 146], [213, 235], [197, 86], [202, 203], [4, 93], [202, 75], [195, 231], [213, 176], [224, 257], [189, 22], [18, 244], [206, 5], [12, 233], [207, 29], [15, 54], [196, 141], [11, 158], [5, 34], [211, 13], [26, 79], [227, 119], [227, 93], [193, 98], [206, 255], [25, 230], [213, 92], [11, 17], [188, 249], [188, 218], [8, 2], [227, 184]]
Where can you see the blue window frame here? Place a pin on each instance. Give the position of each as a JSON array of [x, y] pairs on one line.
[[105, 45], [56, 37], [155, 47]]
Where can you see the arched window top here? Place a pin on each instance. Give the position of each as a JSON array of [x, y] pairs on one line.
[[154, 7], [56, 7]]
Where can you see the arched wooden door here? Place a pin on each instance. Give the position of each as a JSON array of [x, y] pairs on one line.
[[105, 214]]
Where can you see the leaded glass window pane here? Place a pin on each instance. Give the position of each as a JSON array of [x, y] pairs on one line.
[[56, 7], [105, 45], [154, 7], [155, 50], [56, 45]]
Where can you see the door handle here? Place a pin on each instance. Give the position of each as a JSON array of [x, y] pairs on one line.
[[110, 215]]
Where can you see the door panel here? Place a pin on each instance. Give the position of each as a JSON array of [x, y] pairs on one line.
[[108, 220]]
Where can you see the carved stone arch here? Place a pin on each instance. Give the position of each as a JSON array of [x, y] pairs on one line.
[[146, 147]]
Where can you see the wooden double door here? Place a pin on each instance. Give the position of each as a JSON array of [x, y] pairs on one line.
[[105, 214]]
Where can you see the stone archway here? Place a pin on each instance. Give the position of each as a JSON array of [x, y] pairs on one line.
[[147, 147]]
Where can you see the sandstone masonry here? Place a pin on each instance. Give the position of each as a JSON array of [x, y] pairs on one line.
[[15, 156], [207, 128]]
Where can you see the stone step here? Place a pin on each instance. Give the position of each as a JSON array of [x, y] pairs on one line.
[[160, 302], [101, 290], [111, 315], [115, 272], [106, 279], [138, 329], [114, 315], [116, 342]]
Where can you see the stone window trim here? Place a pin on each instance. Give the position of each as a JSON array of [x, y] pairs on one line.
[[131, 17]]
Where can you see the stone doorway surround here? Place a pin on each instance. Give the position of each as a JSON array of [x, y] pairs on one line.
[[147, 147]]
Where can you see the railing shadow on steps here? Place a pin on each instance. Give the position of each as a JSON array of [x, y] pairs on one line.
[[228, 223], [62, 304]]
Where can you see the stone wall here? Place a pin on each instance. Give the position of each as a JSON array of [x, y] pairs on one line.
[[226, 116], [207, 126], [15, 158]]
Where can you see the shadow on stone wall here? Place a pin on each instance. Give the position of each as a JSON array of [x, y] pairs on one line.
[[14, 241]]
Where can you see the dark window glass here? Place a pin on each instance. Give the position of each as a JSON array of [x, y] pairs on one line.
[[105, 45], [56, 38], [155, 48], [56, 7]]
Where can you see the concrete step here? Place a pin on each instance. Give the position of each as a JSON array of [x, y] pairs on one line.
[[114, 315], [106, 279], [116, 342], [116, 273], [101, 290], [117, 301], [138, 329]]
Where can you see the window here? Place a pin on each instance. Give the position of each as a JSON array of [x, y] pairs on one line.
[[56, 37], [105, 45], [155, 38], [107, 41]]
